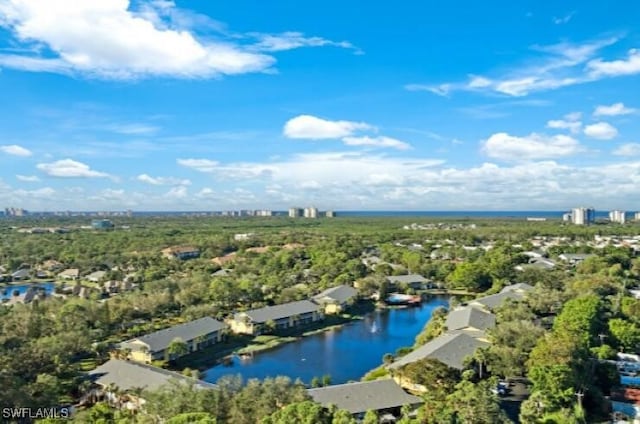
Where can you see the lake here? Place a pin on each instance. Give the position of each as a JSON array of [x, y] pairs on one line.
[[345, 353], [22, 288]]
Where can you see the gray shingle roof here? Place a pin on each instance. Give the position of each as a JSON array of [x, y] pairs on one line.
[[469, 317], [127, 375], [411, 278], [517, 287], [450, 349], [362, 396], [339, 294], [495, 300], [160, 340], [280, 311]]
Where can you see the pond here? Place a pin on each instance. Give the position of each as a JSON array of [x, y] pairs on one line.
[[345, 353], [7, 291]]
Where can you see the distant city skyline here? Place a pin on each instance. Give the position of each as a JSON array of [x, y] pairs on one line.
[[179, 106]]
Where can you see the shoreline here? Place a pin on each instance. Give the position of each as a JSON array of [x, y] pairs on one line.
[[260, 343]]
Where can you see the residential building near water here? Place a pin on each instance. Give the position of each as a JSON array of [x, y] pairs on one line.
[[336, 299], [196, 335], [281, 317]]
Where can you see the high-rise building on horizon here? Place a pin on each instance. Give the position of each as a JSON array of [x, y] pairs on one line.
[[296, 212], [311, 212], [583, 216], [15, 212], [636, 216], [618, 216]]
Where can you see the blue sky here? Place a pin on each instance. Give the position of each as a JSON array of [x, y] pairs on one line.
[[185, 105]]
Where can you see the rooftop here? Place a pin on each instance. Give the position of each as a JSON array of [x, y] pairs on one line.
[[160, 340], [468, 317], [341, 293], [450, 349], [128, 375], [280, 311], [362, 396]]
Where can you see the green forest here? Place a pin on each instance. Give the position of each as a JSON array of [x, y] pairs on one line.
[[558, 338]]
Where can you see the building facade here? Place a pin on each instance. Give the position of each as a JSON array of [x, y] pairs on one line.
[[583, 216], [618, 216]]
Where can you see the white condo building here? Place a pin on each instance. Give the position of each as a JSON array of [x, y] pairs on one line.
[[618, 216], [311, 212], [582, 216]]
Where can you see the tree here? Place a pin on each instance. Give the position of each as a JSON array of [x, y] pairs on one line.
[[471, 276], [177, 348], [626, 334], [434, 375], [370, 417], [474, 403]]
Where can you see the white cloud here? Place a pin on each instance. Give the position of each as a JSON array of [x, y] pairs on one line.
[[479, 82], [562, 65], [613, 110], [601, 131], [112, 39], [365, 181], [313, 128], [293, 40], [69, 168], [573, 116], [179, 192], [134, 129], [107, 39], [532, 147], [202, 165], [600, 68], [145, 178], [15, 150], [628, 149], [440, 90], [563, 19], [28, 178], [380, 141], [46, 193], [572, 126]]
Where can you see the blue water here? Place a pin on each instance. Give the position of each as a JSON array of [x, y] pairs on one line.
[[346, 353], [22, 288]]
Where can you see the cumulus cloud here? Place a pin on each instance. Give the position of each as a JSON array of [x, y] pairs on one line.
[[113, 39], [313, 128], [532, 147], [613, 110], [179, 192], [28, 178], [570, 122], [629, 66], [69, 168], [202, 165], [15, 150], [146, 178], [628, 149], [601, 131], [380, 141]]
